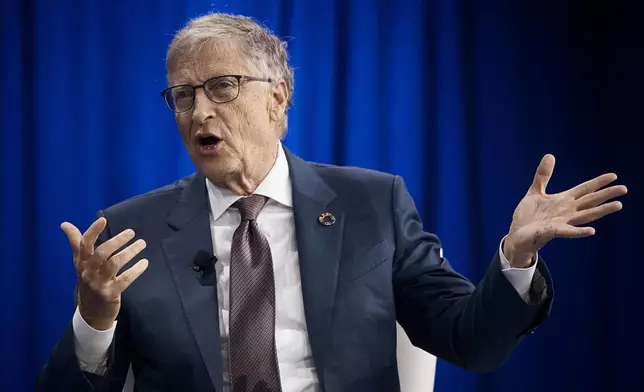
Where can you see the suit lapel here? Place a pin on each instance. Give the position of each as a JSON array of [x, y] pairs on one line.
[[319, 249], [192, 244]]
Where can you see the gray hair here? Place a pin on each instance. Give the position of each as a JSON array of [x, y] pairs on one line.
[[266, 53]]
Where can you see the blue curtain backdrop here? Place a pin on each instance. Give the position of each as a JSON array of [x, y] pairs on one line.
[[462, 98]]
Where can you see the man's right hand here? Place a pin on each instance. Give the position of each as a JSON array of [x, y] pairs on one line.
[[99, 287]]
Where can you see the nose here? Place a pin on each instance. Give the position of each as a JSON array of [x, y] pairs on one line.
[[204, 108]]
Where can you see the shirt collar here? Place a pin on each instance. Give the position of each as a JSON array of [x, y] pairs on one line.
[[276, 186]]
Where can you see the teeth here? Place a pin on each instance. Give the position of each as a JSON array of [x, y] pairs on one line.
[[209, 142]]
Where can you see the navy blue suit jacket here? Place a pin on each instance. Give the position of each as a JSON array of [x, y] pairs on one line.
[[373, 267]]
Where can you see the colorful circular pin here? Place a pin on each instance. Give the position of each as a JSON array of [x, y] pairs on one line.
[[326, 219]]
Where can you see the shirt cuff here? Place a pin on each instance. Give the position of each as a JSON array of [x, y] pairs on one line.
[[91, 345], [519, 278]]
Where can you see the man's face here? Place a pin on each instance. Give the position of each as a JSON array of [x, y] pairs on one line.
[[245, 129]]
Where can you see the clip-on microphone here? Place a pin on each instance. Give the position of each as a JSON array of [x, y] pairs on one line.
[[204, 263]]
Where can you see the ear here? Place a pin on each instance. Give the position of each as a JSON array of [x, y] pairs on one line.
[[279, 98]]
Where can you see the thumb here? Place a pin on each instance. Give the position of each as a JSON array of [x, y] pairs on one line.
[[74, 236], [543, 174]]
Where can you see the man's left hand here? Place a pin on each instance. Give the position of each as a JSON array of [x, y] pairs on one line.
[[540, 217]]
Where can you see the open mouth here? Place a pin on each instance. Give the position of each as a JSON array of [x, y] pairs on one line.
[[208, 142]]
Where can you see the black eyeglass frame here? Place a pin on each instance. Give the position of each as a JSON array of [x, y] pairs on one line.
[[194, 89]]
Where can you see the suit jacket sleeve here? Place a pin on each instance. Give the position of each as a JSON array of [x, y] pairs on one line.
[[62, 372], [474, 327]]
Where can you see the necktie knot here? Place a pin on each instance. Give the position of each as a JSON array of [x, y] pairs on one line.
[[249, 207]]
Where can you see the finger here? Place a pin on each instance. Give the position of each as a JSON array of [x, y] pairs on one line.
[[126, 278], [592, 214], [599, 197], [106, 249], [574, 232], [89, 238], [543, 174], [116, 262], [74, 237], [592, 185]]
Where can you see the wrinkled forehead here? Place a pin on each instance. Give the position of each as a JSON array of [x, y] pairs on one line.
[[207, 60]]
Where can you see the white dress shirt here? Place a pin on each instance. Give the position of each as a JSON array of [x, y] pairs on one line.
[[276, 221]]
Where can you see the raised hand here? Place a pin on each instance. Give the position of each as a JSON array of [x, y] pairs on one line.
[[99, 287], [540, 217]]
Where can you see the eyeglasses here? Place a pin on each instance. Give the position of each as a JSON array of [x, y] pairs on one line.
[[220, 89]]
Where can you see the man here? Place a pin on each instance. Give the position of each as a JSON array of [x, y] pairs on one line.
[[263, 272]]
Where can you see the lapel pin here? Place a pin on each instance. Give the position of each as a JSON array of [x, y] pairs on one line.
[[326, 219]]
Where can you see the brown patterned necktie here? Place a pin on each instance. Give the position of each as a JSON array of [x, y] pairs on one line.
[[253, 357]]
